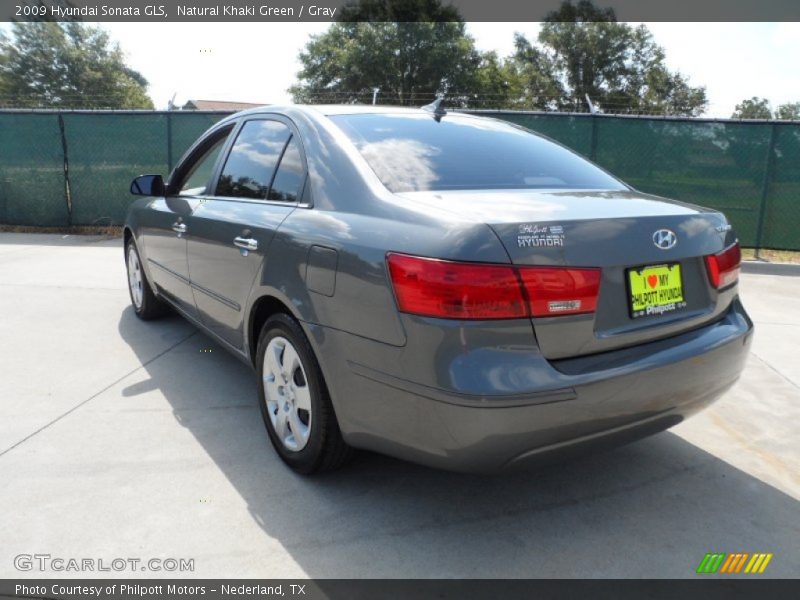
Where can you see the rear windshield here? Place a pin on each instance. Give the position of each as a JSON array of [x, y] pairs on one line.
[[411, 153]]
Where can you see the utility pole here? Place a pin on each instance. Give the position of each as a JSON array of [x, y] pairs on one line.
[[375, 95]]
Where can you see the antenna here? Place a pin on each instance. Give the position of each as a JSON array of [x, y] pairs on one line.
[[436, 107]]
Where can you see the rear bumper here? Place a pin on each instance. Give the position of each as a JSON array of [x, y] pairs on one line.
[[605, 399]]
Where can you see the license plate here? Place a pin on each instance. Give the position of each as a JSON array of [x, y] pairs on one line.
[[655, 290]]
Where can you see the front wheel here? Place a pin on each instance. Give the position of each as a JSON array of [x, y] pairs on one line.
[[145, 303], [294, 400]]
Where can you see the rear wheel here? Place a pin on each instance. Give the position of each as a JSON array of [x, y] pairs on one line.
[[294, 400], [145, 303]]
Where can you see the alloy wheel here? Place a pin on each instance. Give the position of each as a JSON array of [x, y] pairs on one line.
[[135, 281], [287, 394]]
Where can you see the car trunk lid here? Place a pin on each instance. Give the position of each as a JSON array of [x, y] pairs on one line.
[[616, 232]]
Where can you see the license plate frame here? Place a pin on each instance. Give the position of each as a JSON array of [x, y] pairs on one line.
[[649, 297]]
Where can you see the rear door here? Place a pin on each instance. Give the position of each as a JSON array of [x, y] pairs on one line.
[[259, 184], [164, 225]]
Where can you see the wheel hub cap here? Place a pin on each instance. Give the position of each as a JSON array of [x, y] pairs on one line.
[[287, 394], [135, 278]]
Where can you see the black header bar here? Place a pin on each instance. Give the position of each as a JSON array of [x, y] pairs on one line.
[[330, 10]]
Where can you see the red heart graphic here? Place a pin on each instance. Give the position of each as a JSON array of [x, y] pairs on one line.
[[652, 280]]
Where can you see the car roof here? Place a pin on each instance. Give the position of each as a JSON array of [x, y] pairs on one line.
[[354, 109], [335, 109]]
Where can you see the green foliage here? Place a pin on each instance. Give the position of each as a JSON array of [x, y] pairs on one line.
[[409, 62], [414, 49], [493, 84], [759, 108], [586, 52], [534, 79], [788, 112], [67, 65], [753, 108]]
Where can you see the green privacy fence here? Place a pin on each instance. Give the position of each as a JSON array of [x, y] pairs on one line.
[[74, 168], [750, 170]]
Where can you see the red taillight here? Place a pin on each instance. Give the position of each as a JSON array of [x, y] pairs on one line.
[[440, 288], [723, 268], [555, 291], [451, 290]]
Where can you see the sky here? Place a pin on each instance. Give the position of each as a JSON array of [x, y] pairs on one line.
[[257, 62]]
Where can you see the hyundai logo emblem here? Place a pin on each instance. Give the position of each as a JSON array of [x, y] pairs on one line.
[[665, 239]]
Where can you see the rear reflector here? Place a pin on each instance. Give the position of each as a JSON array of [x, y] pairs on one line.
[[452, 290], [723, 268]]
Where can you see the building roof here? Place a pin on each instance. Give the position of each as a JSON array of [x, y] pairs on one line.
[[219, 105]]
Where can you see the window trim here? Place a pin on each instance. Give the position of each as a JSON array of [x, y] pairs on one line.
[[200, 148], [229, 148], [304, 176]]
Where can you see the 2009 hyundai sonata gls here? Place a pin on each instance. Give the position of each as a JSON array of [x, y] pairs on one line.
[[448, 289]]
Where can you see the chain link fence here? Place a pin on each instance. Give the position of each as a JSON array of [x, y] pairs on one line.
[[74, 168]]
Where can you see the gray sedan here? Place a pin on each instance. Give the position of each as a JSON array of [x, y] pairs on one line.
[[448, 289]]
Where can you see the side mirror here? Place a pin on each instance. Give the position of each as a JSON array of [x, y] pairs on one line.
[[148, 185]]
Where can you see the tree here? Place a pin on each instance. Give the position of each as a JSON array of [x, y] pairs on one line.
[[4, 90], [586, 52], [788, 112], [753, 108], [414, 49], [411, 50], [533, 78], [494, 84], [67, 65], [409, 62]]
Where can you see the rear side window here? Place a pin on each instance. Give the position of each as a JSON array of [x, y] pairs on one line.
[[291, 173], [251, 163], [414, 152]]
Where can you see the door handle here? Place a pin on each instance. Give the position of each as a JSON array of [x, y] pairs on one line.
[[245, 243], [179, 227]]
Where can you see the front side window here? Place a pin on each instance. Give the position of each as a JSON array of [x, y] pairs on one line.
[[196, 178], [251, 163], [415, 152]]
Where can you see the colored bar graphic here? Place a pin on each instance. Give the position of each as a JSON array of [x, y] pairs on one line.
[[759, 562], [701, 568], [726, 566], [724, 563], [711, 563], [765, 563], [741, 562]]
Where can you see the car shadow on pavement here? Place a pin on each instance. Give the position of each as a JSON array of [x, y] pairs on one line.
[[650, 509]]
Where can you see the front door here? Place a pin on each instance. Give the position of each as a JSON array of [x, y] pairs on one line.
[[258, 186], [165, 225]]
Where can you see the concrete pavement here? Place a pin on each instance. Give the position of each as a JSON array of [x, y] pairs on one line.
[[120, 438]]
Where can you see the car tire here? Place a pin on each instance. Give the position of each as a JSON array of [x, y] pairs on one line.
[[294, 400], [145, 303]]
